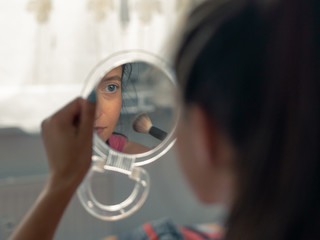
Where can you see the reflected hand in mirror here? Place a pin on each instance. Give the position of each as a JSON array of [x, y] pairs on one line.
[[128, 97]]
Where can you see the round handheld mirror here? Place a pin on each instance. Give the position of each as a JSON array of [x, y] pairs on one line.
[[135, 120]]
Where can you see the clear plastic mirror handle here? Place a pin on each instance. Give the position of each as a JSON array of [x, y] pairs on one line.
[[120, 210]]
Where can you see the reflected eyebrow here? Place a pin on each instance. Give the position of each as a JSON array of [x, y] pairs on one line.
[[115, 77]]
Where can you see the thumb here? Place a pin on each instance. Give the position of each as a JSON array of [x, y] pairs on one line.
[[87, 119]]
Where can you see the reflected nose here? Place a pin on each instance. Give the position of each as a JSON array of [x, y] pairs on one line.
[[98, 111]]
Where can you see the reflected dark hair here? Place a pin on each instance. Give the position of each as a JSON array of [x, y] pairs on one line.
[[126, 73], [254, 67]]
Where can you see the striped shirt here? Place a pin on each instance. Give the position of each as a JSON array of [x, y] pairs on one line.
[[165, 229]]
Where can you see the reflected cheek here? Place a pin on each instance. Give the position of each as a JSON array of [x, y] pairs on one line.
[[108, 110], [107, 115]]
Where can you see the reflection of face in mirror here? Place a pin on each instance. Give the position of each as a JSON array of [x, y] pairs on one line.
[[133, 113], [109, 101]]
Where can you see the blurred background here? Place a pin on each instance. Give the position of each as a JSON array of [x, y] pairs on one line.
[[47, 49]]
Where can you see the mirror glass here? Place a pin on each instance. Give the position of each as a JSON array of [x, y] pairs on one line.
[[135, 107]]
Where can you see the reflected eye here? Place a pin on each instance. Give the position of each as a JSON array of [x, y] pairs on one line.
[[111, 88]]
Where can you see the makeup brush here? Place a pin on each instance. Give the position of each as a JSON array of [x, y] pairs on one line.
[[142, 124]]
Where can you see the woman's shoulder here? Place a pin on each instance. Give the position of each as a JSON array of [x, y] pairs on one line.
[[212, 231], [166, 229]]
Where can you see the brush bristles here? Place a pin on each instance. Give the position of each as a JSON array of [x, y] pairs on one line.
[[141, 123]]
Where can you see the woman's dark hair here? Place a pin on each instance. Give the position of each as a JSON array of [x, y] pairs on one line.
[[254, 67], [126, 74]]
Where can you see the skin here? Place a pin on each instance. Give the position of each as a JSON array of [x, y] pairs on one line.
[[109, 101], [207, 158]]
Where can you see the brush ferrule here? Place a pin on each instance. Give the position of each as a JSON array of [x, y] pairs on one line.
[[157, 133]]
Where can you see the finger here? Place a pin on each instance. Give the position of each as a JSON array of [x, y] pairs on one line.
[[69, 113], [44, 126], [87, 119]]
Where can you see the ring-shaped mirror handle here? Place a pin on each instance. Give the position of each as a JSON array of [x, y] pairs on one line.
[[120, 210]]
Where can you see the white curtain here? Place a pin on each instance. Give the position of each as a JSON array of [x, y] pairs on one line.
[[48, 47]]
